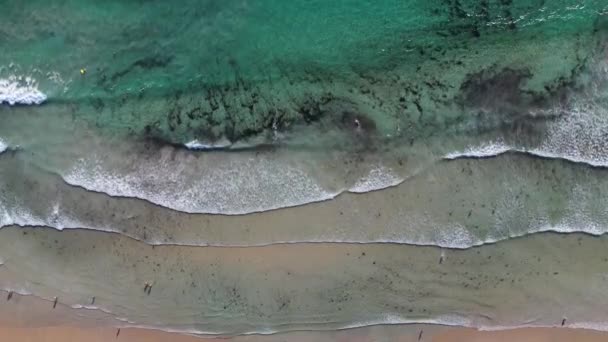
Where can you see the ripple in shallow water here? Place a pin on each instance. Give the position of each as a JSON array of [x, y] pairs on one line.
[[458, 203], [311, 286]]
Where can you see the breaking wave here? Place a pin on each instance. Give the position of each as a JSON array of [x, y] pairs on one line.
[[19, 90]]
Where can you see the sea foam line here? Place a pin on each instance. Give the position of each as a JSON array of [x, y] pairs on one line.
[[198, 145], [20, 90], [450, 320], [378, 178], [453, 236], [492, 149], [457, 243], [249, 188], [249, 192], [496, 149]]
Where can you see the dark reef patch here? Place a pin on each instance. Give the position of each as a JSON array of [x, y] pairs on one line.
[[153, 62], [246, 116], [403, 92], [145, 63], [503, 92], [500, 91], [500, 100]]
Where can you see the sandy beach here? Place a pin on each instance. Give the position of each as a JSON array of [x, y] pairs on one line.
[[283, 288], [306, 170], [75, 334], [29, 319]]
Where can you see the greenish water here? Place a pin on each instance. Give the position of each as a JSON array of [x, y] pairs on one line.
[[176, 47], [447, 123], [528, 281], [304, 100], [209, 69], [301, 101]]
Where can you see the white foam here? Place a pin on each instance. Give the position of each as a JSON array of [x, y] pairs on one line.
[[492, 150], [20, 90], [456, 236], [233, 188], [480, 322], [450, 320], [198, 145], [85, 307], [388, 319], [392, 319], [578, 135], [481, 151], [3, 146], [18, 215], [19, 291], [600, 326], [240, 186], [452, 235], [378, 178]]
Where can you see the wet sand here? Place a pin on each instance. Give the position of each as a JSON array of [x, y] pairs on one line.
[[75, 334], [102, 281], [455, 203], [310, 286], [31, 319], [522, 335]]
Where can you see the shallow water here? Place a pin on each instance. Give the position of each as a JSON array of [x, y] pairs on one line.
[[334, 140], [445, 123], [453, 203], [311, 286]]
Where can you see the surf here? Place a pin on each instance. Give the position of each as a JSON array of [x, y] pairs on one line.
[[20, 90]]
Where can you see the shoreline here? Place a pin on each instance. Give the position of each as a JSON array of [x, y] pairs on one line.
[[285, 265], [32, 313], [69, 333], [31, 316]]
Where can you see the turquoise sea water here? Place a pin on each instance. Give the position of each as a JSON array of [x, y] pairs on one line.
[[300, 102], [130, 45], [236, 68], [384, 90], [250, 123]]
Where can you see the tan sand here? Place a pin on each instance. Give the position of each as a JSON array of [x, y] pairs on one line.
[[314, 286], [72, 334], [75, 334], [522, 335], [28, 318]]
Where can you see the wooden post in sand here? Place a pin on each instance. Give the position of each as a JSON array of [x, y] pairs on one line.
[[55, 303]]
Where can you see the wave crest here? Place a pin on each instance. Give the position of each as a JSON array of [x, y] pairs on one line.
[[235, 188], [20, 90]]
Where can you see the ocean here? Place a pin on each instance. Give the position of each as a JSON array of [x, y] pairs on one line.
[[249, 159]]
